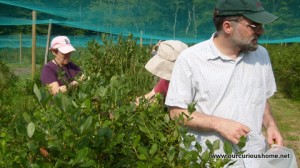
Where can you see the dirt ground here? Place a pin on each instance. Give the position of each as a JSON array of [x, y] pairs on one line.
[[22, 71]]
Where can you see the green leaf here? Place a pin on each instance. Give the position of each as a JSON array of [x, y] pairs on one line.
[[216, 144], [191, 107], [240, 152], [82, 153], [162, 137], [86, 124], [34, 165], [205, 156], [227, 147], [153, 149], [157, 160], [89, 163], [142, 157], [37, 92], [175, 134], [171, 153], [30, 129], [32, 146], [136, 141], [143, 152], [65, 102], [53, 144], [209, 145], [242, 142], [219, 163], [198, 147], [74, 104], [231, 163], [143, 129], [81, 156], [26, 117], [167, 118], [187, 140], [102, 91], [86, 104]]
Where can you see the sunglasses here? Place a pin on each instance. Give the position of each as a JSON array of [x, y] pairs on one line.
[[254, 28]]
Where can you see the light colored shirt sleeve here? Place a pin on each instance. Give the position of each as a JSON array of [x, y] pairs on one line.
[[180, 92], [271, 84]]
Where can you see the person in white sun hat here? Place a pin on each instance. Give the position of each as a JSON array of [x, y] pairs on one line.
[[59, 73], [161, 65]]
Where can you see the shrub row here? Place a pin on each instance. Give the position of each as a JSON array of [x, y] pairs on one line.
[[98, 123], [286, 61]]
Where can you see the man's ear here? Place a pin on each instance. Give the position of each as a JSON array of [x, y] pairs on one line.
[[227, 27]]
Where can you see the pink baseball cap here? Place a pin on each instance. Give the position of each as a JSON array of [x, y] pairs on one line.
[[63, 44]]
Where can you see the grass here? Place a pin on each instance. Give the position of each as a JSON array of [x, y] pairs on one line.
[[287, 115]]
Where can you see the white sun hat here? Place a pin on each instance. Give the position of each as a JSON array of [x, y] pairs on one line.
[[162, 63]]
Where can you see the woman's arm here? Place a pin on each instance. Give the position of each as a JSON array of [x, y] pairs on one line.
[[55, 88]]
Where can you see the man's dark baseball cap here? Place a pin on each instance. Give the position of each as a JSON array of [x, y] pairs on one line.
[[251, 9]]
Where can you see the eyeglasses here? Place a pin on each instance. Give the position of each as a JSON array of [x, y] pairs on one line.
[[254, 28]]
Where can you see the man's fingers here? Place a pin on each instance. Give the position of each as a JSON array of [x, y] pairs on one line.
[[277, 141], [246, 129], [235, 140]]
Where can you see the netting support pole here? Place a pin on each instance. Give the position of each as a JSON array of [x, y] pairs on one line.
[[20, 47], [33, 48], [47, 43], [141, 39]]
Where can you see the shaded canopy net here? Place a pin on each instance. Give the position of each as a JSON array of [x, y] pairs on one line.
[[187, 20]]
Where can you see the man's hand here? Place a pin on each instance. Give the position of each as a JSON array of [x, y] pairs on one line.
[[229, 129], [274, 136]]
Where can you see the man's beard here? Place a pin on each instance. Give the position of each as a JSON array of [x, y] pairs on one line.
[[243, 43]]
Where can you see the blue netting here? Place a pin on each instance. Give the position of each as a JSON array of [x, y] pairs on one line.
[[186, 20]]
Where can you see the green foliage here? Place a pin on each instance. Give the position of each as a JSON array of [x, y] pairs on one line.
[[125, 58], [286, 63], [8, 88], [98, 124], [7, 78]]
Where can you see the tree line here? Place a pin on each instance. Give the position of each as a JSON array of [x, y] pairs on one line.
[[169, 18]]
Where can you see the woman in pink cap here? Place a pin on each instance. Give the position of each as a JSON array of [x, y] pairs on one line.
[[59, 73]]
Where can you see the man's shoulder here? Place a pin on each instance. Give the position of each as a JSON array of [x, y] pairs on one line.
[[197, 50], [260, 54], [261, 51], [261, 48], [200, 45]]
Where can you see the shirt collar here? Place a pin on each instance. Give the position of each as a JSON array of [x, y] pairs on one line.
[[216, 54]]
